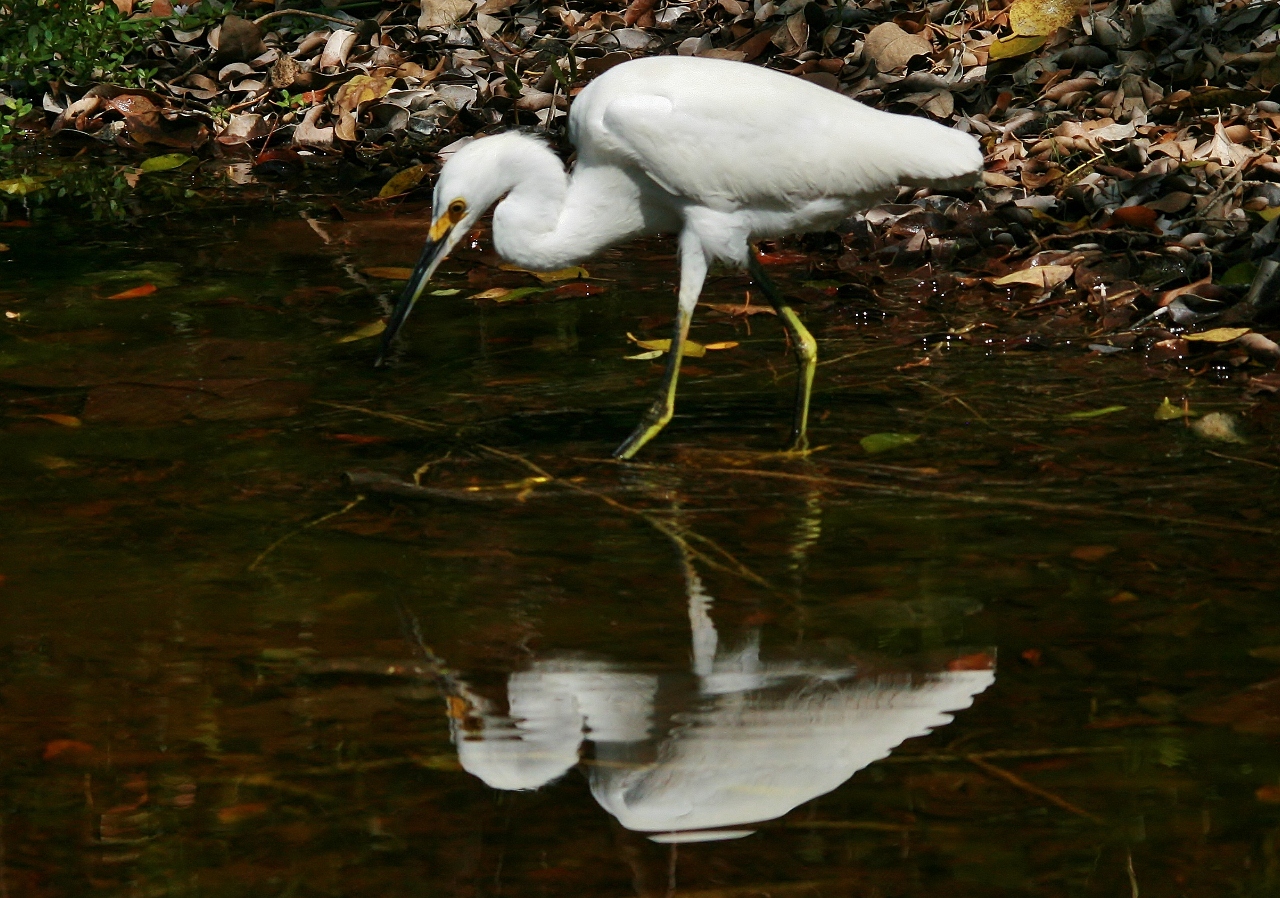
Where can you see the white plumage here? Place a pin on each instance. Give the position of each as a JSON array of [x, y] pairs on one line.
[[720, 153]]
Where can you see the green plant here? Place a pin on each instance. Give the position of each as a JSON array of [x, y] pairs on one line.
[[11, 112], [73, 40]]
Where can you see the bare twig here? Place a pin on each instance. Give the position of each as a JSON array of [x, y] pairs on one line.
[[390, 416], [680, 535], [1015, 780], [288, 536], [310, 15], [982, 499]]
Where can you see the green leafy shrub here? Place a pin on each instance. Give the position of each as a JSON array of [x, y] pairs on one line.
[[71, 40]]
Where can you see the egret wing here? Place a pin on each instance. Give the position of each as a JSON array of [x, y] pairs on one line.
[[728, 135]]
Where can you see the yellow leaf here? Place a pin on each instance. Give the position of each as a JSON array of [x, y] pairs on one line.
[[1269, 213], [1218, 335], [1017, 45], [64, 420], [361, 89], [388, 274], [1046, 277], [691, 349], [730, 344], [364, 333], [1167, 411], [547, 277], [1041, 17], [493, 293], [404, 181]]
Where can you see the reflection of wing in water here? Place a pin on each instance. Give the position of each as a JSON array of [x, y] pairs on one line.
[[748, 757], [552, 707], [741, 741]]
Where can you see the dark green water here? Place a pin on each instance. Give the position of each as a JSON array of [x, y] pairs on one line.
[[224, 670]]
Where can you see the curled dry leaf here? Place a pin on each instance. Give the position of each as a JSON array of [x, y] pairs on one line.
[[891, 48], [1046, 277]]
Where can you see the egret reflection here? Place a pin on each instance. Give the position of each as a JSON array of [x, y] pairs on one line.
[[739, 740]]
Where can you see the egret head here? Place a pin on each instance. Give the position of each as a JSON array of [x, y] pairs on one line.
[[471, 180]]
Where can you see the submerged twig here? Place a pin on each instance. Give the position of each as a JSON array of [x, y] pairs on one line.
[[982, 499], [680, 535], [1015, 780], [307, 526], [390, 416]]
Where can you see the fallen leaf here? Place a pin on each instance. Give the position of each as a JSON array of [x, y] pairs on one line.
[[238, 812], [574, 272], [691, 349], [976, 661], [1094, 413], [67, 749], [1046, 277], [1091, 553], [645, 356], [1016, 45], [388, 274], [364, 333], [715, 347], [403, 182], [167, 162], [135, 293], [442, 13], [1041, 17], [64, 420], [892, 48], [507, 294], [1167, 411], [1217, 335], [1135, 217], [578, 289], [745, 309], [875, 443], [1268, 794], [1218, 426]]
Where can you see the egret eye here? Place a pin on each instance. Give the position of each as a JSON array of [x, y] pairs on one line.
[[457, 209]]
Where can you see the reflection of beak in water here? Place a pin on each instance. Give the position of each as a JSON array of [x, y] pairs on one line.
[[750, 742]]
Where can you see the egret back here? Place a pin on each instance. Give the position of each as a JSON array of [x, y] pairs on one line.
[[728, 136]]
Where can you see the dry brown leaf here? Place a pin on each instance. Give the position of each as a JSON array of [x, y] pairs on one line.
[[442, 13], [891, 47], [1046, 277]]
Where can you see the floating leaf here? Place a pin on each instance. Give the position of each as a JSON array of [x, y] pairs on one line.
[[1218, 426], [64, 420], [389, 274], [364, 333], [1167, 411], [1094, 413], [451, 291], [691, 349], [404, 181], [1217, 335], [507, 294], [1017, 45], [136, 292], [167, 162], [883, 442], [1046, 277], [645, 356], [715, 347]]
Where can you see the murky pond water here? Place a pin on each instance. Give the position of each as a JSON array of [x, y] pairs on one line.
[[273, 622]]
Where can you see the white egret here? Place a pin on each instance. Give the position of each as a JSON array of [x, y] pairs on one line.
[[720, 153]]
